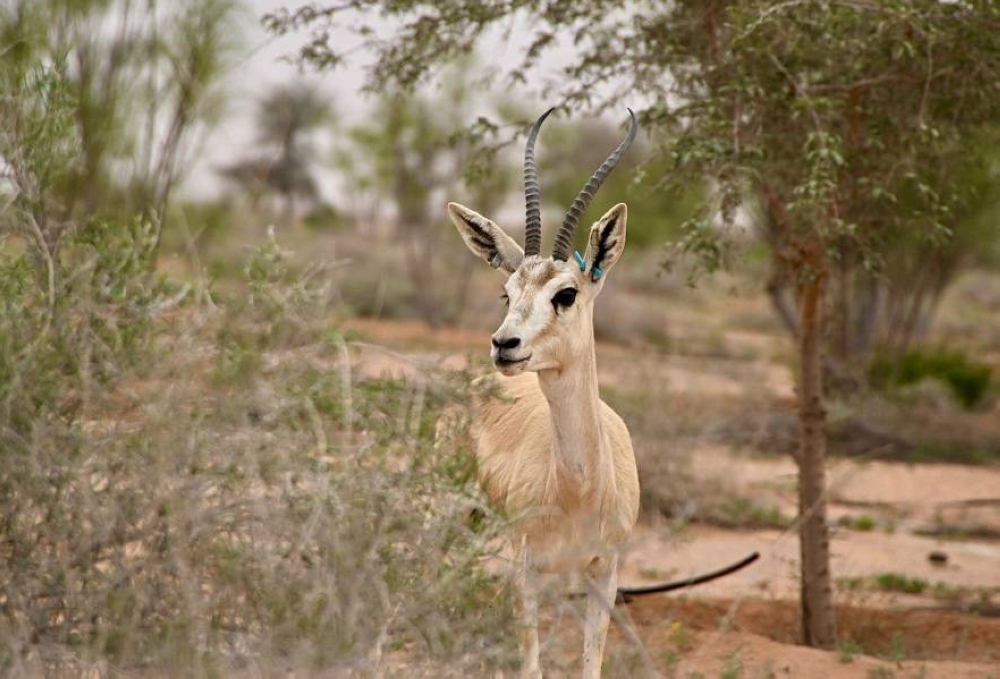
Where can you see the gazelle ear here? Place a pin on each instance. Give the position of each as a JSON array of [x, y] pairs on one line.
[[486, 240], [606, 242]]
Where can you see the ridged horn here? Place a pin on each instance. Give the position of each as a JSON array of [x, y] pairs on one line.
[[564, 238], [532, 193]]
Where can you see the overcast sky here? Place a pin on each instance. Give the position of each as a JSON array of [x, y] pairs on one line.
[[264, 64], [261, 67]]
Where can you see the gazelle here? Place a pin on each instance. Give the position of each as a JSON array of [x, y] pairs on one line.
[[551, 454]]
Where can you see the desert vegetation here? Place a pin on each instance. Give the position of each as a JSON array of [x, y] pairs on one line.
[[218, 417]]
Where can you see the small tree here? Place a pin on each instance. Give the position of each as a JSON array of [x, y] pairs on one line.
[[841, 121], [140, 77], [406, 157], [286, 117], [844, 122]]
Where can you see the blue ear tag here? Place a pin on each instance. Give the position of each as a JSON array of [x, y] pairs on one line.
[[580, 260], [595, 273]]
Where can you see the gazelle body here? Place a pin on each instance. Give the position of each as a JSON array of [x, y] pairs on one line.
[[551, 454], [568, 510]]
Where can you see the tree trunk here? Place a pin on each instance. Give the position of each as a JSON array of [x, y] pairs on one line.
[[818, 628], [776, 293], [869, 315], [841, 344]]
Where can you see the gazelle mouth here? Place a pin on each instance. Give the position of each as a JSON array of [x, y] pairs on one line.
[[502, 362]]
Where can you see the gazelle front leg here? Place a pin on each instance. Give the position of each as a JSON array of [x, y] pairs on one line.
[[602, 588], [528, 586]]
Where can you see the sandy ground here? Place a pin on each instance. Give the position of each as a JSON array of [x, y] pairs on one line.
[[746, 623], [912, 496]]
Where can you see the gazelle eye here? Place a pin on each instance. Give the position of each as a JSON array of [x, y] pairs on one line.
[[505, 298], [564, 298]]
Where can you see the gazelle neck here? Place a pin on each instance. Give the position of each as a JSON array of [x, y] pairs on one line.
[[575, 409]]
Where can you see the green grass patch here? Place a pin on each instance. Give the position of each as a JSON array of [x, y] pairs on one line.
[[741, 512], [927, 451], [950, 532], [895, 582], [863, 523], [847, 649]]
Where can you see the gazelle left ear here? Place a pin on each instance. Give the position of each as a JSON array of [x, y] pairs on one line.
[[486, 240], [606, 242]]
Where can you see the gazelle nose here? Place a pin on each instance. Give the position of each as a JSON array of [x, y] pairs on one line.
[[505, 342]]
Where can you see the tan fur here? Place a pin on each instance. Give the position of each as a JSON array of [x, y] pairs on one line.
[[556, 510]]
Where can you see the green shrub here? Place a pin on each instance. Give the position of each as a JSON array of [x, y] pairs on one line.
[[202, 222], [967, 379], [69, 328]]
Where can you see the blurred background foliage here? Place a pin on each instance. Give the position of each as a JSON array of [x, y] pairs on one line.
[[800, 123], [136, 77]]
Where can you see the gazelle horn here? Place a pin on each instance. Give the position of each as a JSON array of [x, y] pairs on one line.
[[532, 193], [564, 238]]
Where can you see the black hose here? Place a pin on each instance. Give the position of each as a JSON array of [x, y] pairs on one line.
[[626, 594]]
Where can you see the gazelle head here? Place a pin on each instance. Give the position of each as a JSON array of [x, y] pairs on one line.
[[550, 300]]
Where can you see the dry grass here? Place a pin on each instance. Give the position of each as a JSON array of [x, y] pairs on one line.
[[232, 500]]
